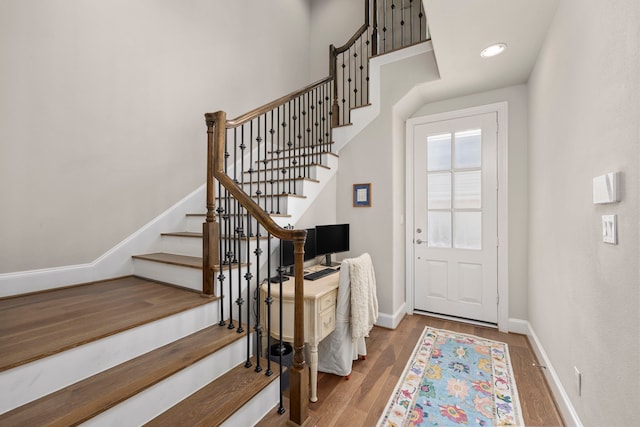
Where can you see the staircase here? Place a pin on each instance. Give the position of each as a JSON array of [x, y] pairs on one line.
[[179, 342]]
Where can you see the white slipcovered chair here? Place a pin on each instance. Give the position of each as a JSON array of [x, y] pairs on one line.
[[356, 312]]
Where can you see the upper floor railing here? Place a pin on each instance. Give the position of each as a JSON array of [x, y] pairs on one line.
[[389, 25]]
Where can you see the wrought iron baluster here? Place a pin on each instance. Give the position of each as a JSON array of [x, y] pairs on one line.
[[239, 238], [268, 301], [258, 172], [265, 169], [384, 27], [308, 134], [402, 40], [230, 260], [411, 21], [269, 160], [280, 343], [314, 129], [292, 127], [344, 105], [221, 255], [248, 277], [297, 143], [258, 325], [281, 136], [374, 34], [361, 68]]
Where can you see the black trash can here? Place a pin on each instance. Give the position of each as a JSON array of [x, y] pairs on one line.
[[287, 359]]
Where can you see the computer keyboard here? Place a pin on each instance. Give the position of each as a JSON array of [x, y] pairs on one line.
[[319, 274]]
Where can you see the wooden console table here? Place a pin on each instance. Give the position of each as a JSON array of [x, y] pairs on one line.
[[319, 316]]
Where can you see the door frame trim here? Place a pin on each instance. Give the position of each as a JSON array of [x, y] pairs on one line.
[[502, 111]]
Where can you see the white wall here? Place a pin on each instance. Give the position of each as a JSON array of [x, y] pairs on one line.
[[101, 110], [333, 22], [372, 157], [584, 300], [517, 99]]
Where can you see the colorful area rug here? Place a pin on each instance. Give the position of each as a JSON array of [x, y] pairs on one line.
[[455, 379]]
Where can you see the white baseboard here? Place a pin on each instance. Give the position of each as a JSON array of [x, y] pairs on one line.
[[391, 321], [518, 326], [114, 263], [565, 406]]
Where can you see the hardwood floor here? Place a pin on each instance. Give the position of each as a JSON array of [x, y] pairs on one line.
[[361, 400], [39, 325]]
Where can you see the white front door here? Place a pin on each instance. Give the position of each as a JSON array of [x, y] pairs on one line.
[[455, 217]]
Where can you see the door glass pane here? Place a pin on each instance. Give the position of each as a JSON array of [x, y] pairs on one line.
[[468, 190], [468, 230], [439, 152], [439, 229], [439, 190], [468, 149]]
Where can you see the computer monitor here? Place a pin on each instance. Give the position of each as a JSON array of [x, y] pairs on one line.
[[331, 239], [287, 255]]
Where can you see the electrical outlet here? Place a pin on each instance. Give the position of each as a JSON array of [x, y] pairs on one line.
[[577, 380]]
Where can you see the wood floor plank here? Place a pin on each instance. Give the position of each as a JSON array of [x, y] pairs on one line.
[[38, 325], [214, 403], [360, 401], [86, 399]]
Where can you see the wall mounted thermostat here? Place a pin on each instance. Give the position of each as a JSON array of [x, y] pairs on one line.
[[609, 232], [605, 188]]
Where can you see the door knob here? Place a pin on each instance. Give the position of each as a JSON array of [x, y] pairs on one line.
[[419, 241]]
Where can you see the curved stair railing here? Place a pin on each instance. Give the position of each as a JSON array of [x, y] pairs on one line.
[[389, 25], [258, 162]]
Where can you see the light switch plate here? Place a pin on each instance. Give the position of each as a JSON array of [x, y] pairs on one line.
[[605, 188], [609, 232]]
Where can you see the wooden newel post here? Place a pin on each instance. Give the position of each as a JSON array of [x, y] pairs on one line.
[[210, 230], [335, 108], [299, 376]]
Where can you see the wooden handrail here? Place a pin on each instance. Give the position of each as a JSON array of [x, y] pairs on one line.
[[217, 126], [240, 120]]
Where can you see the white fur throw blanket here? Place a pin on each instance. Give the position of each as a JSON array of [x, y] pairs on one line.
[[364, 302]]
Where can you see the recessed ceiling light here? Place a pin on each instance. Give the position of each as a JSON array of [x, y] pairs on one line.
[[493, 50]]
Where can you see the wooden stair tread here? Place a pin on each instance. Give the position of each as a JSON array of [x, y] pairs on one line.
[[173, 259], [287, 167], [286, 157], [214, 403], [183, 234], [298, 147], [87, 398], [181, 260], [244, 214], [259, 196], [42, 324], [343, 125], [280, 180]]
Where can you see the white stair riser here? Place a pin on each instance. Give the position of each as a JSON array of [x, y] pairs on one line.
[[186, 277], [278, 204], [155, 400], [25, 383], [310, 157], [297, 172], [256, 408], [288, 187], [194, 224], [182, 245]]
